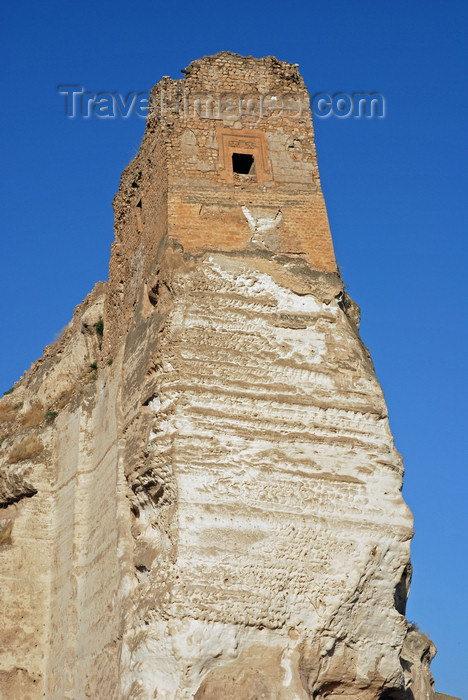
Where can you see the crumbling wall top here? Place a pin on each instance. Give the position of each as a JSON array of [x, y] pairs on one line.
[[231, 68]]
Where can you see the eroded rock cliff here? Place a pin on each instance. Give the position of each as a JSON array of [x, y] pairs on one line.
[[201, 497]]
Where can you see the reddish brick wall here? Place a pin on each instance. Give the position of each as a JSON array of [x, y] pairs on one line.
[[200, 163]]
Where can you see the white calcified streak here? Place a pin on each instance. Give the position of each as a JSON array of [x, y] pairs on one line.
[[288, 488]]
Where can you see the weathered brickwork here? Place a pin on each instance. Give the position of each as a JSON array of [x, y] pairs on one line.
[[182, 186]]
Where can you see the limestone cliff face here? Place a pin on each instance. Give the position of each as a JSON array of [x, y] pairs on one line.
[[200, 493]]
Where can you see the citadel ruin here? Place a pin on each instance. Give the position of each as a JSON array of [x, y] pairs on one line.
[[201, 496]]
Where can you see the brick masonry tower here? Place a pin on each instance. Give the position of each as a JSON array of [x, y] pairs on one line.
[[242, 165], [228, 163]]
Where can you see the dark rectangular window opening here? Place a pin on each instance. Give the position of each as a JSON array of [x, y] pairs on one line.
[[138, 216], [243, 163]]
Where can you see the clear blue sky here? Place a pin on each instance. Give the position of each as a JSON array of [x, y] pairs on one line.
[[396, 191]]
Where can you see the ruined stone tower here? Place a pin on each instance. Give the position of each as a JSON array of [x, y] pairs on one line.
[[228, 163], [215, 511]]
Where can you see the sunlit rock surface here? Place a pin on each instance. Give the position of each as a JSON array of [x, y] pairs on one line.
[[200, 493]]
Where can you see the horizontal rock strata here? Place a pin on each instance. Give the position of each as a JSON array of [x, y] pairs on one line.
[[200, 496]]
